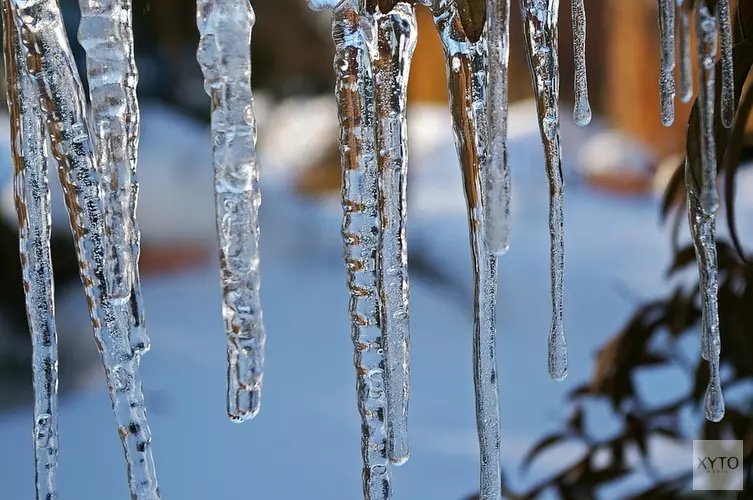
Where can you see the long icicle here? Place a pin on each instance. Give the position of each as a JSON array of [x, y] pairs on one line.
[[498, 185], [667, 68], [32, 197], [225, 59], [582, 112], [467, 63], [540, 29], [106, 35], [703, 206], [724, 20], [706, 33], [50, 61], [391, 38], [684, 65], [354, 91]]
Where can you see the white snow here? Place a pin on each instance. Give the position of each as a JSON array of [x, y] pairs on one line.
[[305, 441]]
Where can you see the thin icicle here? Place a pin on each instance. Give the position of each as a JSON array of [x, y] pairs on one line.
[[703, 230], [467, 65], [582, 112], [354, 91], [498, 178], [106, 34], [391, 39], [50, 61], [706, 32], [685, 67], [32, 196], [223, 54], [540, 30], [667, 68], [728, 71]]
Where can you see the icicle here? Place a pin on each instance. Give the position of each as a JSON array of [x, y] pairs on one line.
[[703, 230], [707, 47], [105, 33], [467, 63], [685, 67], [540, 29], [32, 195], [498, 178], [728, 71], [667, 76], [582, 113], [354, 91], [225, 60], [391, 39], [50, 61]]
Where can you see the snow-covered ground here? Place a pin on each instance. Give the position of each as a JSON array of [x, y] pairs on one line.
[[305, 442]]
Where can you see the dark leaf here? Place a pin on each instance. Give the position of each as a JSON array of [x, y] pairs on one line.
[[576, 421], [682, 259], [701, 381], [668, 432], [674, 194], [617, 448], [731, 163], [743, 25], [743, 60], [636, 431], [545, 443], [607, 474], [472, 17]]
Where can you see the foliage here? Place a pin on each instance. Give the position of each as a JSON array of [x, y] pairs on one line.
[[650, 340]]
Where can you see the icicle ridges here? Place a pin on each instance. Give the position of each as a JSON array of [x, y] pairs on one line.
[[497, 189], [32, 197], [391, 38], [724, 20], [225, 29], [540, 31], [106, 34], [582, 112], [684, 65], [49, 60], [667, 75], [466, 59], [354, 91]]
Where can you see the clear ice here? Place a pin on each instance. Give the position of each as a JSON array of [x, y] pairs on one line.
[[702, 208], [540, 32], [728, 73], [703, 230], [684, 64], [225, 59], [667, 69], [355, 95], [391, 39], [467, 63], [32, 196], [706, 32], [106, 35], [51, 64], [582, 112], [498, 180]]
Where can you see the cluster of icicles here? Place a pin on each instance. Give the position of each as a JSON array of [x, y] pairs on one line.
[[96, 153]]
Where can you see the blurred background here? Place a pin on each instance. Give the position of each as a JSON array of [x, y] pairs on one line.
[[305, 442]]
